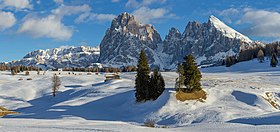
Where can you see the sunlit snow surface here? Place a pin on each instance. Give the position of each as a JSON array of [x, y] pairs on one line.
[[235, 102]]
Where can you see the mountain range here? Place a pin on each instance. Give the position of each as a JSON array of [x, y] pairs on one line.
[[208, 42]]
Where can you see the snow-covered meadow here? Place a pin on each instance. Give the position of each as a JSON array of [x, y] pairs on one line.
[[237, 100]]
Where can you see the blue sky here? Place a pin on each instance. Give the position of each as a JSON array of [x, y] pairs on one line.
[[27, 25]]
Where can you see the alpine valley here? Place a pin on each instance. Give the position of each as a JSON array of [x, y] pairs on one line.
[[208, 42]]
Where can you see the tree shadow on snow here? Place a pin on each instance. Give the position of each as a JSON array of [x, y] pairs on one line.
[[266, 120], [118, 107]]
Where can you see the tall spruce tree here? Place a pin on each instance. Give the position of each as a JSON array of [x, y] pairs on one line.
[[180, 80], [157, 85], [192, 75], [274, 61], [142, 81]]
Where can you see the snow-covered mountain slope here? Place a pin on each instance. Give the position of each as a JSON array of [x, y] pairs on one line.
[[228, 31], [209, 42], [66, 56], [234, 95]]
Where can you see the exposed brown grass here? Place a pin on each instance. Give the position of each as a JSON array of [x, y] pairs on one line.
[[271, 101], [4, 111], [150, 123], [195, 95]]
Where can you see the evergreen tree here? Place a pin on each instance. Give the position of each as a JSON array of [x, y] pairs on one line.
[[180, 80], [260, 56], [142, 78], [157, 85], [274, 61], [13, 72], [192, 75]]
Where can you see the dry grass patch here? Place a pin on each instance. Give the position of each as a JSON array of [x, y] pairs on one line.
[[4, 111], [269, 98], [196, 95], [150, 123]]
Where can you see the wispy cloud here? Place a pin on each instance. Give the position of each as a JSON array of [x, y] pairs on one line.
[[86, 17], [7, 20], [70, 10], [50, 27], [147, 15], [262, 23], [258, 22], [17, 4], [137, 4]]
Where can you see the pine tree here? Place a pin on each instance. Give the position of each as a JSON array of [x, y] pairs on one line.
[[13, 72], [180, 80], [274, 61], [142, 78], [192, 75], [55, 84], [157, 85], [260, 56]]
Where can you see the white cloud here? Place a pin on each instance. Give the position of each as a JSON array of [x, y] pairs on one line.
[[7, 20], [262, 23], [18, 4], [94, 17], [59, 1], [70, 10], [115, 0], [147, 15], [229, 14], [49, 26], [137, 4]]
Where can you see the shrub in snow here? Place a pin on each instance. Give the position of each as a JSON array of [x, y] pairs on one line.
[[150, 122], [26, 73], [55, 84]]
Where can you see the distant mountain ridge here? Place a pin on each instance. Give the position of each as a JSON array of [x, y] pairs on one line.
[[208, 42], [70, 56]]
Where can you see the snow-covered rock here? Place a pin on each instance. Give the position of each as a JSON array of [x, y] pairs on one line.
[[209, 42], [82, 56], [125, 39]]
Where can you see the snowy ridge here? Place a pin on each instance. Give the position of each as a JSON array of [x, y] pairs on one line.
[[65, 56], [228, 31]]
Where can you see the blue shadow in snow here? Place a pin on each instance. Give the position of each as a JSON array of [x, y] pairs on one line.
[[118, 107], [247, 98]]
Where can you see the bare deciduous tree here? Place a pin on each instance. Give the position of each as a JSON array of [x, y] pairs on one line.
[[55, 84]]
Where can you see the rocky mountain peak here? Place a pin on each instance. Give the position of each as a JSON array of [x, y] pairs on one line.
[[226, 30], [125, 38]]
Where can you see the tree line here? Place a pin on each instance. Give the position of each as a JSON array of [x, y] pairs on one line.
[[271, 51]]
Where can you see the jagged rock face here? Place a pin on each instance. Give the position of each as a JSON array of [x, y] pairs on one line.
[[172, 44], [125, 38], [208, 42], [61, 57]]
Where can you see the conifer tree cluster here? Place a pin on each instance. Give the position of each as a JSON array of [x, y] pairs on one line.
[[274, 61], [231, 60], [189, 76], [147, 88]]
